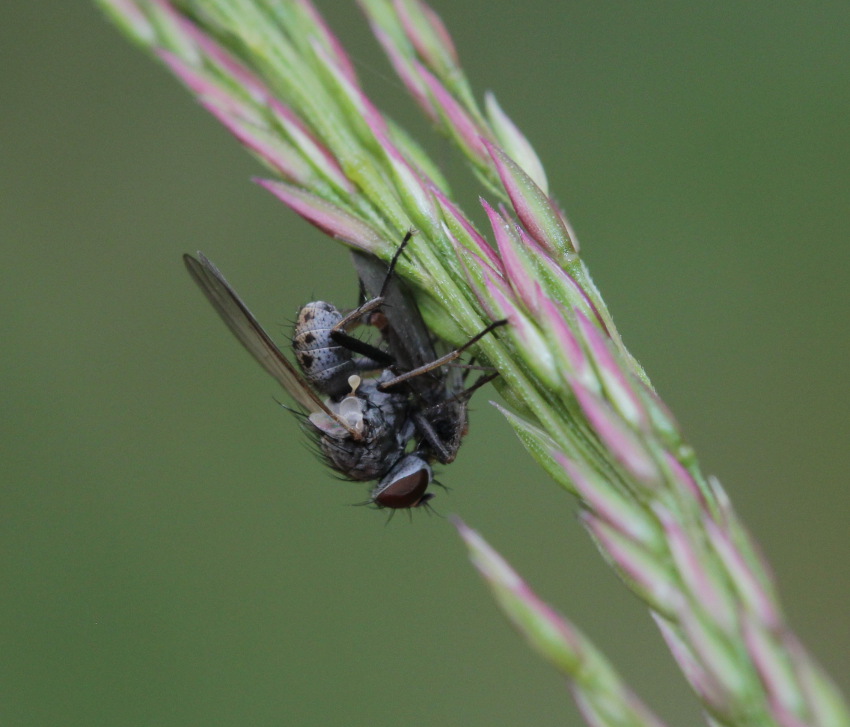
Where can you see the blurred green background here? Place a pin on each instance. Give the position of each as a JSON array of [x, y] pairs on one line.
[[172, 555]]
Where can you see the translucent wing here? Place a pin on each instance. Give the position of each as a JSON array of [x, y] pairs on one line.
[[408, 338], [251, 335], [441, 417]]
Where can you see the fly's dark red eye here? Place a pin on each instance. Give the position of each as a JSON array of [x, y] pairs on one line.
[[405, 485], [404, 492]]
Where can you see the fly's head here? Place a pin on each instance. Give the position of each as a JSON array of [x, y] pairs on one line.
[[406, 485]]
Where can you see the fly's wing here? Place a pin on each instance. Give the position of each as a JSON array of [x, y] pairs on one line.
[[251, 335], [409, 340]]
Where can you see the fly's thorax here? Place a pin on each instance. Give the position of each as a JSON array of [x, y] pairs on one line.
[[378, 416], [376, 436], [325, 364], [390, 400]]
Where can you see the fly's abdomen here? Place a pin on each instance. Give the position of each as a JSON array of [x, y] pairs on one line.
[[325, 364]]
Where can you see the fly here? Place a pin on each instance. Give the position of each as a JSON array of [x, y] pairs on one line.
[[364, 427], [362, 434]]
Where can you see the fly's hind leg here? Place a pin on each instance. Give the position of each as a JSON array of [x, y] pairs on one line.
[[442, 360]]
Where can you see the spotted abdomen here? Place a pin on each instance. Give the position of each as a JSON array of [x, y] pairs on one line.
[[325, 364]]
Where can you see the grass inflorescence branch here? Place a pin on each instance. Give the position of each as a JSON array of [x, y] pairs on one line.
[[273, 73]]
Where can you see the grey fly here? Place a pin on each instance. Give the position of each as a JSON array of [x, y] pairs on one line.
[[364, 427], [363, 434]]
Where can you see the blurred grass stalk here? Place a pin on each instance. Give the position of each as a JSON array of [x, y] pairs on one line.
[[273, 73]]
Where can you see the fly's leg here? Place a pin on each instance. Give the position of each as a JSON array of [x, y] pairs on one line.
[[479, 382], [442, 360], [373, 357], [339, 333], [353, 319]]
